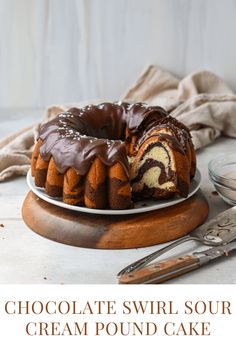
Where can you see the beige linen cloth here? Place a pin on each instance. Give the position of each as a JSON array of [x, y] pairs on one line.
[[202, 101]]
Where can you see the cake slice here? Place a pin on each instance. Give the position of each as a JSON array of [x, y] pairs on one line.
[[160, 168]]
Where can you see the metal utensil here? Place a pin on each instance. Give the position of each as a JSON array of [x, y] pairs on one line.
[[171, 268], [217, 231]]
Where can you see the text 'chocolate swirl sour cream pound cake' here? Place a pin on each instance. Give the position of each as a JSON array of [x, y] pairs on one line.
[[106, 156]]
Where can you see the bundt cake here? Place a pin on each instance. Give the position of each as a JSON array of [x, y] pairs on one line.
[[108, 155]]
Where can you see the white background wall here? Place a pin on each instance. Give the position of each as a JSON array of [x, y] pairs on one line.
[[70, 50]]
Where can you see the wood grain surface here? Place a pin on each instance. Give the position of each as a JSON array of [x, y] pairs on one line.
[[113, 232], [159, 272]]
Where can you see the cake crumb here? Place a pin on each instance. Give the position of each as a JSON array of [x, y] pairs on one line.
[[45, 278], [1, 225]]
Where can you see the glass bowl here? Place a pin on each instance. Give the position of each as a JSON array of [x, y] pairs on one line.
[[222, 173]]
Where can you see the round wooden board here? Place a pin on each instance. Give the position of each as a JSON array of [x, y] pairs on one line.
[[113, 232]]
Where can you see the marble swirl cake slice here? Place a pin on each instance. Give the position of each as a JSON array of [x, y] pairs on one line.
[[160, 169]]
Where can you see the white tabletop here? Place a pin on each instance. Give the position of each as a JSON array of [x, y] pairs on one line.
[[26, 257]]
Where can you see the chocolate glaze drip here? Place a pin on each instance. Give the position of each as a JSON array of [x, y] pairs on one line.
[[74, 138]]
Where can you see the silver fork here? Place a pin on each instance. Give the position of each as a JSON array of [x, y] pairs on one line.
[[147, 259], [208, 239], [215, 232]]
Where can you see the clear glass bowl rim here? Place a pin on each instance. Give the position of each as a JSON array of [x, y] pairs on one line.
[[220, 185], [217, 159]]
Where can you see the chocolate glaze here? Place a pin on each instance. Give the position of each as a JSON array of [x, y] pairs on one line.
[[74, 138]]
